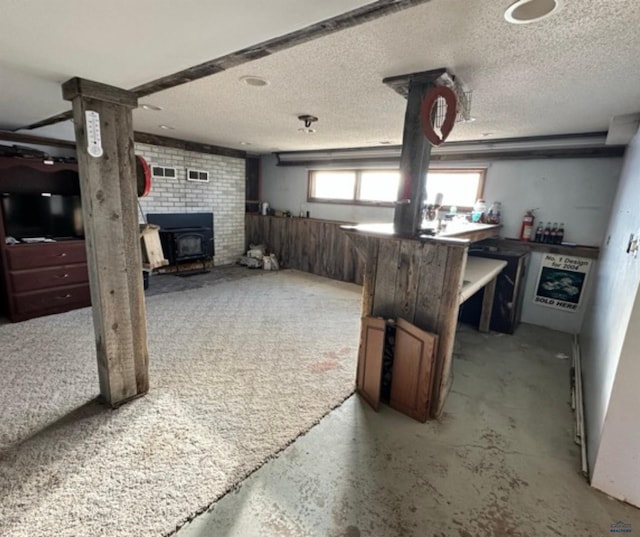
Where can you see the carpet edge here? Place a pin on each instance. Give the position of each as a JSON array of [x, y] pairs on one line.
[[259, 465]]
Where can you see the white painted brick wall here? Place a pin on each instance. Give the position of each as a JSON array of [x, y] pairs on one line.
[[224, 194]]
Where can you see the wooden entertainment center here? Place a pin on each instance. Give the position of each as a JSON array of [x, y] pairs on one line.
[[41, 278]]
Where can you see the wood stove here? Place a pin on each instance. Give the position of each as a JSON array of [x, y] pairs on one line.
[[185, 236]]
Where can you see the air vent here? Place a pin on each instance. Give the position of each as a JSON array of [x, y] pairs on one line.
[[163, 171], [197, 175]]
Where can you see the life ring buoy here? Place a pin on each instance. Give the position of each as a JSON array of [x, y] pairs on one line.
[[428, 103], [143, 176]]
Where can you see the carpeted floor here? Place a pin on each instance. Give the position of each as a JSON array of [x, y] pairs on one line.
[[238, 370]]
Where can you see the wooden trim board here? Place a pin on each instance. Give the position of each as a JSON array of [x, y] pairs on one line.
[[370, 356]]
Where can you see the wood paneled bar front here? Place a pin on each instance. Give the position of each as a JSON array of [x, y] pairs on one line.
[[308, 244], [419, 279]]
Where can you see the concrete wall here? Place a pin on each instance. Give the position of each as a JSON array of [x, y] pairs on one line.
[[578, 192], [610, 342], [223, 194]]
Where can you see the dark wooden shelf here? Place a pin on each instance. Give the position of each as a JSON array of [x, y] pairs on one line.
[[460, 236], [515, 245]]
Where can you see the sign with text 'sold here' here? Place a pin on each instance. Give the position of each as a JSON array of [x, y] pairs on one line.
[[561, 281]]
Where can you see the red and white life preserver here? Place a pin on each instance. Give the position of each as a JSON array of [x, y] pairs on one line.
[[143, 176], [426, 114]]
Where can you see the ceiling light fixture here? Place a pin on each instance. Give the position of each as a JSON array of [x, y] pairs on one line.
[[255, 81], [307, 120], [527, 11], [150, 107], [166, 127]]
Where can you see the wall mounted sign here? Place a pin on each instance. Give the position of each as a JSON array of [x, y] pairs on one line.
[[561, 281]]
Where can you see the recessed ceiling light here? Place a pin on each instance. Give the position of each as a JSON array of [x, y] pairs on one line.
[[255, 81], [469, 119], [306, 130], [245, 143], [151, 107], [166, 127], [485, 134], [527, 11]]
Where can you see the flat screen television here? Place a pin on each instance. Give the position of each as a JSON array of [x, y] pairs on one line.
[[52, 216]]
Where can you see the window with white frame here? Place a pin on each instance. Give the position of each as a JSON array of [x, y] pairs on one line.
[[459, 187]]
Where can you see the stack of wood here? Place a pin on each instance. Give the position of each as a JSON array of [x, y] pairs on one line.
[[152, 254]]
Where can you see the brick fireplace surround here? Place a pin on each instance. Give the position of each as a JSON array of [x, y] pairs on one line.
[[224, 194]]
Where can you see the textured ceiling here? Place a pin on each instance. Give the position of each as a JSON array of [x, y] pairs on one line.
[[126, 43], [569, 73]]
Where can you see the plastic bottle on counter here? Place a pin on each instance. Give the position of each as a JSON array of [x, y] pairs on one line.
[[553, 236], [546, 234]]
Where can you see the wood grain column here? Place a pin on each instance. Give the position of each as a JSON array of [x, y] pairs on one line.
[[414, 163], [416, 149], [109, 198]]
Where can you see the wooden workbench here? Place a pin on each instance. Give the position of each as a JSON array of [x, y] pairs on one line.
[[478, 273]]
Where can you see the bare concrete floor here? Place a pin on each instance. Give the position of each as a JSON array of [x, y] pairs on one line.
[[501, 462]]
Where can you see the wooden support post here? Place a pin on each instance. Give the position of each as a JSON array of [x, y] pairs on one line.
[[416, 150], [414, 163], [106, 162], [487, 306]]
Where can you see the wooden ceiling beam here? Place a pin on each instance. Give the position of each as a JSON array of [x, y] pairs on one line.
[[355, 17], [22, 138], [186, 145], [435, 77], [140, 137]]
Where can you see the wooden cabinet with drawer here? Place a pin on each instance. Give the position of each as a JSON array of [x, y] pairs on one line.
[[46, 254], [46, 278], [37, 277]]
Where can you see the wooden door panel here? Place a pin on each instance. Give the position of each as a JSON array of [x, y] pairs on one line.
[[412, 374], [370, 360]]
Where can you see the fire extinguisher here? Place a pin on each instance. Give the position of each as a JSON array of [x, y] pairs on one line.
[[527, 225]]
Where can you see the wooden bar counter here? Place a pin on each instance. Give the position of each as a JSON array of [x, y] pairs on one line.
[[419, 279]]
